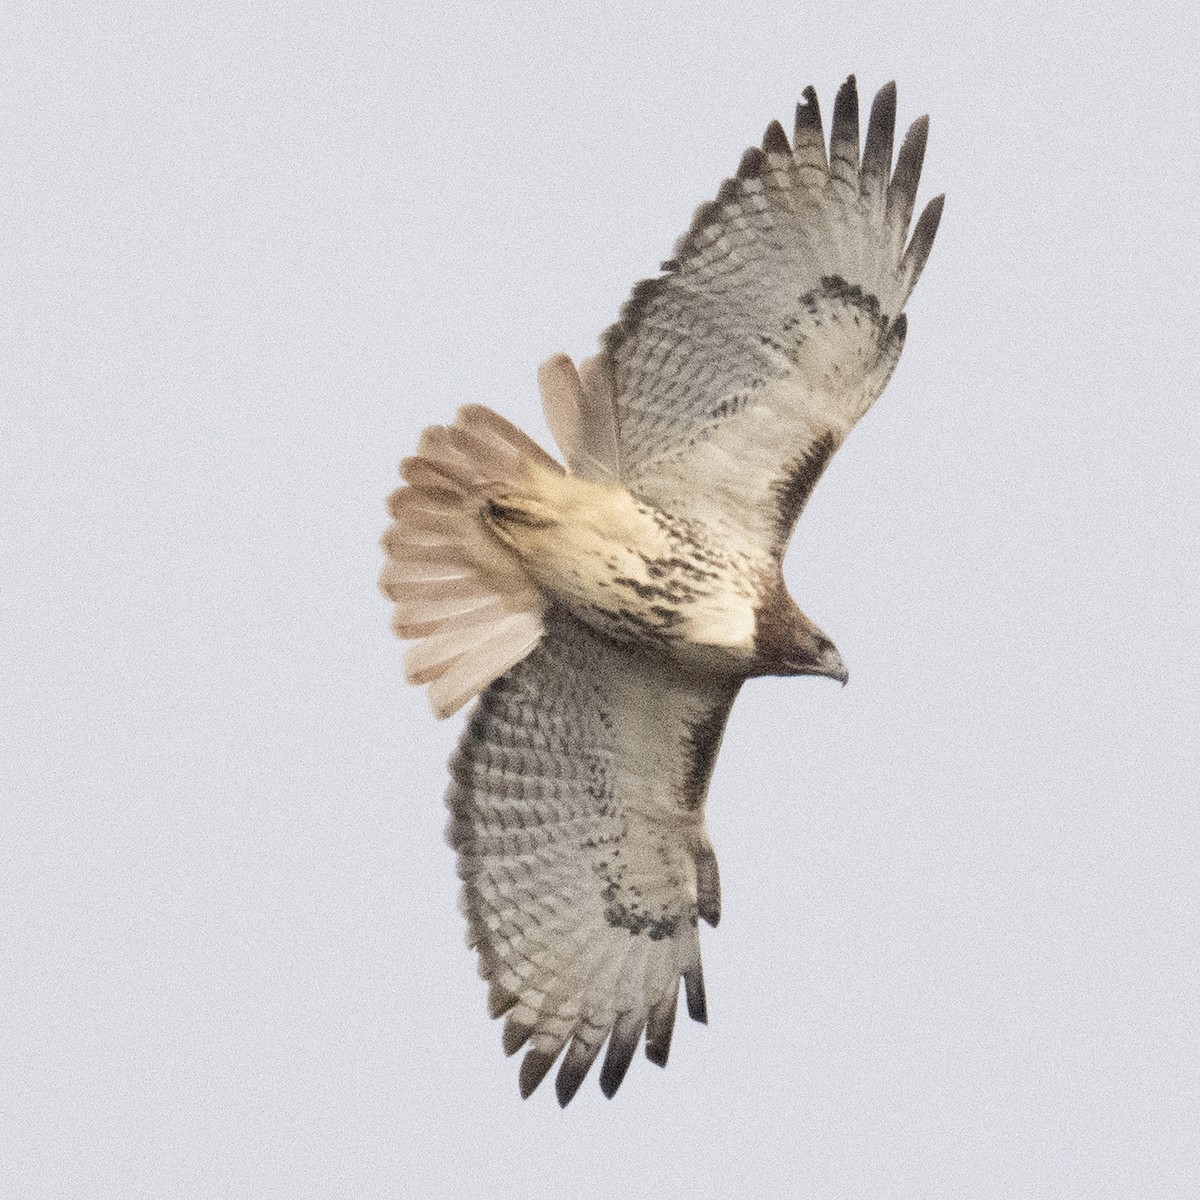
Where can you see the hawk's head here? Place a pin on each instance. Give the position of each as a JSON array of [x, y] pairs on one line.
[[786, 642]]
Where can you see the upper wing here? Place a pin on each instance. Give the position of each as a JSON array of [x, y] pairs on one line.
[[577, 809], [737, 373]]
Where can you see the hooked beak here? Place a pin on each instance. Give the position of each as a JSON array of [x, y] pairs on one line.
[[832, 665], [823, 660]]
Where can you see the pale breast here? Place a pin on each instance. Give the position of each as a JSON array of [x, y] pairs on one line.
[[636, 574]]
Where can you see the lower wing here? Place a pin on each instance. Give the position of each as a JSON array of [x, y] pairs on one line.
[[577, 809]]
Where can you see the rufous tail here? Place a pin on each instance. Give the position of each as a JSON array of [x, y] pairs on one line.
[[464, 597]]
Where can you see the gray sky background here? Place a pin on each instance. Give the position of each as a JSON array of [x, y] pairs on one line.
[[249, 251]]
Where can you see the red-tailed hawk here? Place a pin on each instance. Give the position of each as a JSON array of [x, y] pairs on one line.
[[607, 614]]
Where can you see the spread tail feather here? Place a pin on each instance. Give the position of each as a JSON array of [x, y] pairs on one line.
[[580, 409], [457, 590]]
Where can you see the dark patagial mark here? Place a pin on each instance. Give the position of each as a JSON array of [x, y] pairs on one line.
[[701, 742], [793, 488]]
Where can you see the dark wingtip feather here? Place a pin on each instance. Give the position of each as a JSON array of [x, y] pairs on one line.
[[657, 1052], [775, 141], [622, 1043], [577, 1062], [902, 192], [845, 110], [922, 238], [697, 1006], [808, 118], [729, 191], [751, 166], [660, 1027], [534, 1067], [566, 1085], [515, 1036], [500, 1000], [877, 155]]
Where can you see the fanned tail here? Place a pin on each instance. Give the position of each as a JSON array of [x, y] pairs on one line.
[[457, 590]]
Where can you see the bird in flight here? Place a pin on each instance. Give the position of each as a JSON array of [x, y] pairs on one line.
[[607, 613]]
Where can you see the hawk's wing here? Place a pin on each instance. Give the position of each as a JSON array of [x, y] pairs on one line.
[[738, 373], [578, 816]]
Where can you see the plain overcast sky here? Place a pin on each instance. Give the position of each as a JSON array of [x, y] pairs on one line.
[[249, 250]]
